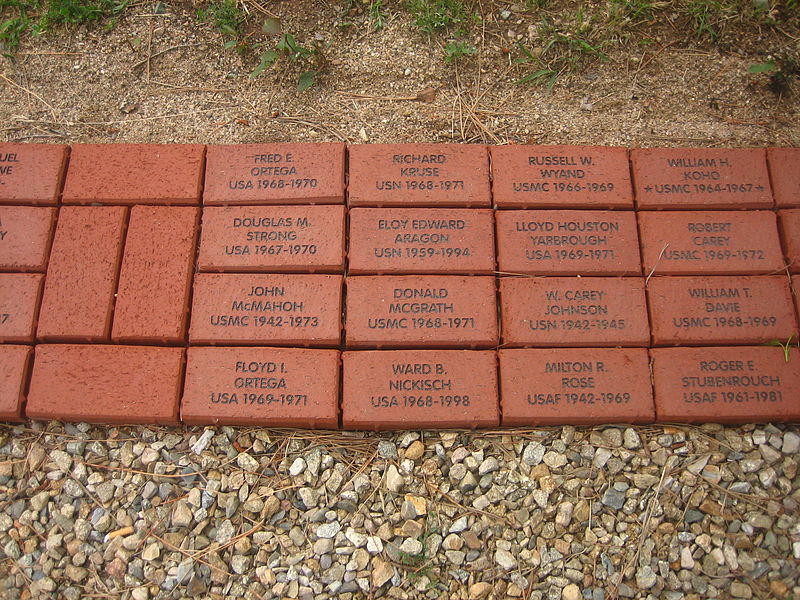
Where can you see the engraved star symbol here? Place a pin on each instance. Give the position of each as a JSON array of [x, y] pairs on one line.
[[760, 188], [648, 188]]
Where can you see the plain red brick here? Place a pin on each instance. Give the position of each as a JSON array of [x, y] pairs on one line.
[[743, 384], [421, 240], [701, 178], [561, 177], [25, 233], [784, 168], [294, 310], [789, 223], [78, 298], [19, 306], [105, 384], [134, 174], [14, 362], [796, 288], [406, 311], [273, 239], [31, 173], [567, 242], [713, 242], [156, 275], [573, 311], [275, 174], [575, 386], [271, 387], [419, 175], [413, 389], [720, 310]]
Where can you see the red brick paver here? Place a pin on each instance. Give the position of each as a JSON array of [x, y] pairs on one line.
[[579, 386], [567, 242], [303, 239], [275, 174], [19, 306], [410, 389], [418, 175], [561, 177], [155, 279], [25, 233], [421, 240], [744, 384], [134, 174], [78, 299], [31, 173], [701, 178], [789, 223], [784, 169], [14, 368], [105, 384], [275, 387]]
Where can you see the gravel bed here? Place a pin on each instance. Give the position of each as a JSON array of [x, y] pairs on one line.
[[567, 513]]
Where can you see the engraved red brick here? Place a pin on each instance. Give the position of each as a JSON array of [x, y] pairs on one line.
[[407, 311], [105, 384], [573, 311], [714, 242], [567, 242], [31, 173], [134, 174], [272, 387], [720, 310], [561, 177], [292, 310], [743, 384], [784, 168], [19, 306], [156, 275], [576, 386], [25, 233], [78, 298], [412, 389], [421, 240], [789, 223], [701, 178], [431, 175], [14, 362], [275, 174], [273, 239]]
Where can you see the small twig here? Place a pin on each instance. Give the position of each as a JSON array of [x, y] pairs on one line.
[[655, 265]]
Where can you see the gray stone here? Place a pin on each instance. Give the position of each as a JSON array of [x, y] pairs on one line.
[[613, 498], [533, 454]]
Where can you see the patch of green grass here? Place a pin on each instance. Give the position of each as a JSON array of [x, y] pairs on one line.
[[227, 17], [455, 50], [435, 16], [376, 14]]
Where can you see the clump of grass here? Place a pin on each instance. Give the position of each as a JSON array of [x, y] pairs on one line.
[[227, 17], [435, 16]]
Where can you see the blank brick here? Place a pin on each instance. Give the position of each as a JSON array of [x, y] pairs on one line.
[[431, 175], [573, 311], [577, 386], [78, 298], [406, 311], [784, 168], [273, 239], [567, 242], [106, 384], [19, 306], [134, 174], [271, 387], [25, 233], [796, 288], [156, 275], [14, 362], [421, 240], [789, 223], [561, 177], [701, 178], [710, 242], [31, 173], [275, 174], [744, 384], [413, 389], [720, 310], [291, 310]]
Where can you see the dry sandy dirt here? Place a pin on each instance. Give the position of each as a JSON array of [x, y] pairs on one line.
[[161, 75]]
